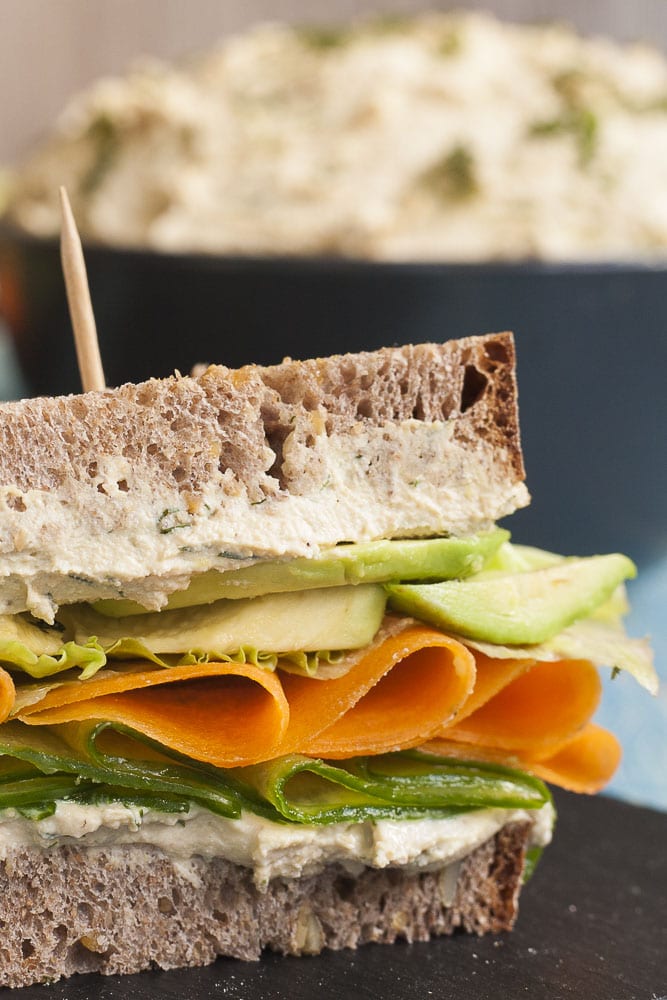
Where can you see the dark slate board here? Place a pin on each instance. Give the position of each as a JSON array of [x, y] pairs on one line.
[[593, 925]]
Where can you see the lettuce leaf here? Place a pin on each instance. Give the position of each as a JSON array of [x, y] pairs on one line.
[[90, 657], [307, 663], [603, 643], [41, 650]]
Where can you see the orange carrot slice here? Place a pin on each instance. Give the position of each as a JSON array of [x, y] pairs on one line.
[[7, 694], [398, 695], [227, 714], [583, 763], [536, 710], [492, 677]]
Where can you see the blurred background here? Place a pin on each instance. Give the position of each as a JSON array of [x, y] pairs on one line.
[[590, 332], [50, 50]]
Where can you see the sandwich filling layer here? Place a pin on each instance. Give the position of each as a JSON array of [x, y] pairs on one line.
[[418, 721], [273, 849], [409, 480]]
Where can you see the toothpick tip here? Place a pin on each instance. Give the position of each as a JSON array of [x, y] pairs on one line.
[[69, 230]]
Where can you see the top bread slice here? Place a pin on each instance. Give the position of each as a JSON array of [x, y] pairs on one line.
[[131, 491]]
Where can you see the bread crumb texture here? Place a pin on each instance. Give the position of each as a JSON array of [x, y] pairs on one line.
[[125, 909], [183, 432]]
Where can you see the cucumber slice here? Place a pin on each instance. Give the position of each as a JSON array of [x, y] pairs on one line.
[[334, 618], [516, 609]]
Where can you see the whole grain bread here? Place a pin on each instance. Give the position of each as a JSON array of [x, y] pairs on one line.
[[125, 909], [185, 430], [180, 475]]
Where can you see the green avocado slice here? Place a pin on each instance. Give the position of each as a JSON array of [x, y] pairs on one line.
[[307, 629], [370, 562], [520, 608], [334, 618]]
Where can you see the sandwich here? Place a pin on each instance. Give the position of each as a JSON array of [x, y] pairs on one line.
[[272, 676]]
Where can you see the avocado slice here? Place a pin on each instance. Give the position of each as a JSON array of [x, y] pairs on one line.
[[331, 619], [516, 609], [368, 562], [512, 558]]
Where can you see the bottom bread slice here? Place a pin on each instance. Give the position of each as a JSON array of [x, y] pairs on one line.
[[125, 909]]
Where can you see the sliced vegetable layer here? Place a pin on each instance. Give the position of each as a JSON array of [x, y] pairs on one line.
[[414, 684], [234, 715], [585, 762], [333, 618], [7, 695], [188, 689], [390, 785], [95, 757], [224, 713], [366, 562], [402, 690], [102, 762], [516, 608]]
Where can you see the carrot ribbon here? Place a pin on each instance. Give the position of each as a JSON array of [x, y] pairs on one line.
[[414, 686]]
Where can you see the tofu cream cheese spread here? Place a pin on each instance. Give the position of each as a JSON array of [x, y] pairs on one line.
[[124, 544], [272, 849], [447, 136]]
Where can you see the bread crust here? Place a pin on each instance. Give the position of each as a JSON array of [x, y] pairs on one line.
[[183, 431], [124, 909]]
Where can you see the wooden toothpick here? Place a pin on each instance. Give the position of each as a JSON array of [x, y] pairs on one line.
[[78, 297]]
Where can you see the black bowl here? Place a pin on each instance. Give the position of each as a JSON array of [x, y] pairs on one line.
[[591, 341]]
